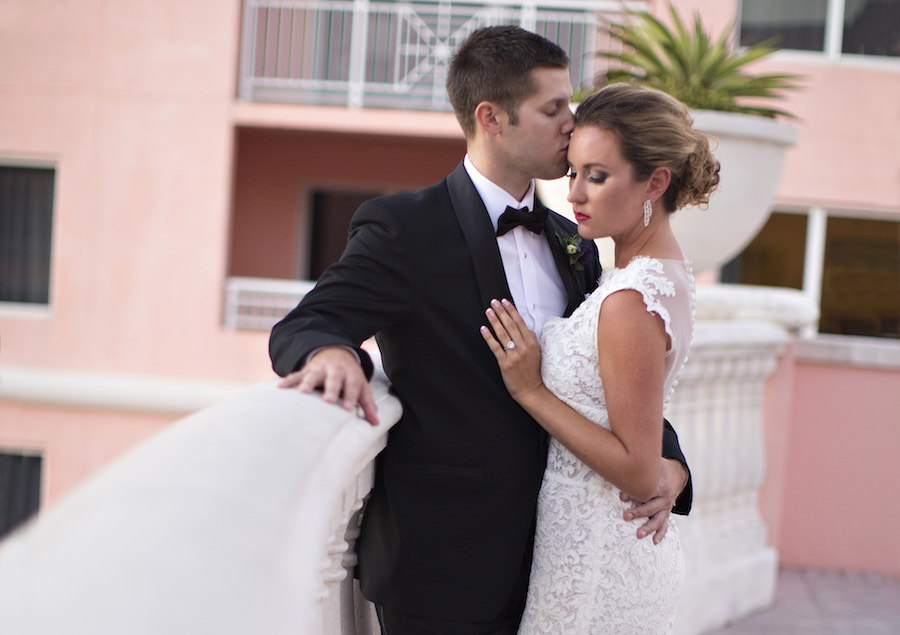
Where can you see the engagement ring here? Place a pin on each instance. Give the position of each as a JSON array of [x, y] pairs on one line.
[[510, 345]]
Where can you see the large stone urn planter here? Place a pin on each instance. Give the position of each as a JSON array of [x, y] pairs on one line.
[[751, 151]]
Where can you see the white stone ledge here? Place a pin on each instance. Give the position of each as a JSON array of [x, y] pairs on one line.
[[848, 350], [788, 308], [112, 391], [724, 338]]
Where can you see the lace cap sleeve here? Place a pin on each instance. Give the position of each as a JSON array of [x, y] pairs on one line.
[[648, 277]]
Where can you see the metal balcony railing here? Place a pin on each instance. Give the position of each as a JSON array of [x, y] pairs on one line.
[[358, 53]]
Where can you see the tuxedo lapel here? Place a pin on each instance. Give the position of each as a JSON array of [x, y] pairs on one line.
[[574, 285], [479, 236]]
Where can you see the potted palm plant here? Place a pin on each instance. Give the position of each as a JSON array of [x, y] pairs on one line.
[[709, 74]]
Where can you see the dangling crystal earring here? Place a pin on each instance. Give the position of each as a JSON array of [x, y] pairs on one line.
[[648, 212]]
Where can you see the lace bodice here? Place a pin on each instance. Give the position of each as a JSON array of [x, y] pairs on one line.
[[570, 364], [590, 573]]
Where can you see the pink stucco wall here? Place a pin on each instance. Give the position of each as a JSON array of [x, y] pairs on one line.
[[848, 134], [159, 166], [841, 486], [831, 439], [131, 102], [74, 443]]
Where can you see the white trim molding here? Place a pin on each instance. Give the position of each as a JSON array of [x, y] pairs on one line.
[[112, 391], [850, 350]]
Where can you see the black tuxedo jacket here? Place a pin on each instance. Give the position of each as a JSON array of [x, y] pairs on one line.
[[449, 525]]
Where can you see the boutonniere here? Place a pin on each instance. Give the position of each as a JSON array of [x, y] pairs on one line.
[[579, 250]]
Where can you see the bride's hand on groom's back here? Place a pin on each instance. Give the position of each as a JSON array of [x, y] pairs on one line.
[[672, 479], [338, 373]]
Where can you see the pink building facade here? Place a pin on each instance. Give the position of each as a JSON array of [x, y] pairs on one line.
[[190, 163]]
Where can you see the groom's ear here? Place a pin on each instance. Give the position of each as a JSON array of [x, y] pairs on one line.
[[489, 117]]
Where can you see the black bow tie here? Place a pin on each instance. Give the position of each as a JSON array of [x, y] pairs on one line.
[[532, 221]]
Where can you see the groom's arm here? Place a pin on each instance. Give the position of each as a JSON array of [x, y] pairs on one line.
[[317, 345], [672, 450]]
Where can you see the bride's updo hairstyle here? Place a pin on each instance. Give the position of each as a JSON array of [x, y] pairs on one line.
[[655, 130]]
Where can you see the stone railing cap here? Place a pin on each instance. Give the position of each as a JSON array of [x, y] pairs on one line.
[[789, 308]]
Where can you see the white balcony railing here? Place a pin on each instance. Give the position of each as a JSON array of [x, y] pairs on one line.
[[258, 303], [359, 53]]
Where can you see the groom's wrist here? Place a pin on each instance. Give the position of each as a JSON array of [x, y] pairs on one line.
[[316, 351]]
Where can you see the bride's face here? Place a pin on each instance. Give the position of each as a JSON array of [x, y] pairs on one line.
[[606, 199]]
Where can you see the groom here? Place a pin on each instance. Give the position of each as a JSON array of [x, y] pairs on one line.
[[447, 533]]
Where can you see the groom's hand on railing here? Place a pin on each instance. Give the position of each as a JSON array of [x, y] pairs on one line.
[[337, 372], [672, 479]]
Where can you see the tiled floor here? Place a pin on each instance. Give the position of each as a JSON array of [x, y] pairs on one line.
[[826, 603]]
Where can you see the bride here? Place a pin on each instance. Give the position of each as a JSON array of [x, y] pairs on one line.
[[599, 380]]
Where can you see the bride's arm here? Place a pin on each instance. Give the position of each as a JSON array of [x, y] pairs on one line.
[[631, 347]]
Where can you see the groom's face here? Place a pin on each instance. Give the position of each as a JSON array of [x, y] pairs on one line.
[[538, 142]]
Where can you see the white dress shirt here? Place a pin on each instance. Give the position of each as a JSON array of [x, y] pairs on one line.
[[531, 273]]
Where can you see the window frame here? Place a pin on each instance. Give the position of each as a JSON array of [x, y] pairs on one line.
[[831, 51], [36, 309], [814, 255], [34, 464]]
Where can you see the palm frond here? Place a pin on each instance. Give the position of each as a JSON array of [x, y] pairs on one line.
[[686, 62]]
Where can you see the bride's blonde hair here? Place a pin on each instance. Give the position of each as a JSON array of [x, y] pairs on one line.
[[655, 130]]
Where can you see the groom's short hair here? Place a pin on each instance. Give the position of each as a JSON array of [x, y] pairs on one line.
[[494, 64]]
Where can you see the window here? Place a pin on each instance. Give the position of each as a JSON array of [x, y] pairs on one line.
[[775, 258], [859, 27], [331, 214], [856, 280], [861, 278], [26, 223], [20, 489]]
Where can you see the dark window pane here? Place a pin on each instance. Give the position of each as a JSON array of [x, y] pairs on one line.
[[798, 24], [861, 278], [26, 224], [331, 214], [775, 257], [872, 27], [20, 489]]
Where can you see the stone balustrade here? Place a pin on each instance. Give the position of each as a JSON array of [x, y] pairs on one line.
[[233, 520], [740, 334], [242, 518]]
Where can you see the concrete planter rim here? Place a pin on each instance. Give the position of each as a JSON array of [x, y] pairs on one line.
[[714, 122]]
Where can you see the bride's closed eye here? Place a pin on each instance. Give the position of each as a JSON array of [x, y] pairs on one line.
[[600, 177]]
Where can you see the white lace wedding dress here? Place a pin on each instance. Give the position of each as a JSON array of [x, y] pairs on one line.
[[591, 574]]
